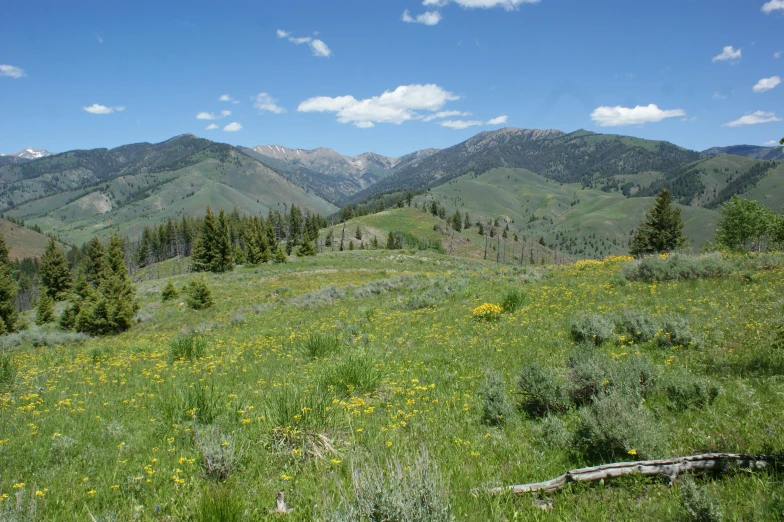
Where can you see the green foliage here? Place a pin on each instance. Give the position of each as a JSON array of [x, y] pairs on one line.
[[588, 374], [187, 347], [699, 503], [543, 389], [198, 402], [212, 251], [288, 407], [53, 271], [44, 312], [594, 328], [616, 426], [745, 225], [218, 503], [637, 325], [219, 452], [677, 267], [319, 345], [552, 432], [8, 316], [198, 295], [686, 390], [169, 292], [280, 256], [497, 406], [661, 229], [513, 300], [356, 374], [307, 248], [414, 492], [8, 371]]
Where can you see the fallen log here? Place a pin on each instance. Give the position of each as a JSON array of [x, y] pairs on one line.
[[669, 468]]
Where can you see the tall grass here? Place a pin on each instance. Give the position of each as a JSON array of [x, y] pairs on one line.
[[320, 345], [358, 373]]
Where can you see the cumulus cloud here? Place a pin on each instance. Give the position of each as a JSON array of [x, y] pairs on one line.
[[509, 5], [500, 120], [719, 96], [211, 126], [639, 115], [233, 127], [459, 124], [767, 84], [12, 71], [227, 98], [728, 54], [264, 102], [773, 5], [445, 114], [426, 18], [211, 116], [390, 107], [318, 47], [771, 143], [96, 108], [753, 118]]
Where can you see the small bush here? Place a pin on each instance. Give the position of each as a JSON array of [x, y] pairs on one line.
[[8, 371], [676, 332], [617, 426], [219, 452], [319, 346], [677, 267], [686, 390], [512, 301], [38, 338], [588, 374], [594, 328], [198, 295], [219, 504], [544, 391], [187, 347], [552, 432], [497, 407], [699, 503], [324, 296], [98, 353], [358, 373], [237, 318], [394, 492], [169, 292], [635, 374], [420, 301], [637, 325], [64, 448]]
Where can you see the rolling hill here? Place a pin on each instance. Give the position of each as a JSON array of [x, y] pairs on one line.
[[22, 242]]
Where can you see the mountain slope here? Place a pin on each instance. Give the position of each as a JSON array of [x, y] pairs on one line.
[[30, 153], [579, 156], [748, 151], [22, 242]]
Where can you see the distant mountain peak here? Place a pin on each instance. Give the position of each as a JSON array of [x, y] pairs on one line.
[[31, 153], [748, 151]]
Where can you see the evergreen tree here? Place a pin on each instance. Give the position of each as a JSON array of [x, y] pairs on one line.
[[44, 312], [307, 248], [457, 221], [661, 230], [54, 273], [203, 247], [94, 263], [198, 295], [391, 241], [8, 316], [467, 222], [223, 256], [169, 292], [358, 233], [280, 256]]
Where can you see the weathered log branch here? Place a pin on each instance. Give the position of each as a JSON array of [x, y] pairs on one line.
[[669, 468]]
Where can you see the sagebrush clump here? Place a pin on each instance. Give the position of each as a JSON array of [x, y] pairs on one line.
[[497, 405], [594, 328], [543, 389]]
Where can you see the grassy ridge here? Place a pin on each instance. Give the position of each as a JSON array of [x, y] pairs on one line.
[[120, 426]]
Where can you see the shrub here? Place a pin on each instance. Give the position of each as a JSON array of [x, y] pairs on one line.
[[635, 374], [169, 292], [318, 345], [64, 448], [616, 425], [394, 492], [676, 332], [594, 328], [512, 301], [686, 390], [8, 371], [677, 267], [699, 503], [637, 325], [38, 338], [218, 450], [487, 312], [588, 374], [497, 407], [420, 301], [552, 432], [198, 295], [320, 297], [187, 347], [219, 504], [358, 373], [544, 391], [98, 353]]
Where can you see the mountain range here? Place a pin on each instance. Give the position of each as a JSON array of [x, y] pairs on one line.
[[82, 193]]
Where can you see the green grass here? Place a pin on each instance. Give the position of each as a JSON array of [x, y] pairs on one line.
[[113, 424]]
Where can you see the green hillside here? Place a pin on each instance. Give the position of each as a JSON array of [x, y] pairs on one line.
[[21, 241]]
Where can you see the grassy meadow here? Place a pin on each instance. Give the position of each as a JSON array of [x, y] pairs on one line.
[[307, 377]]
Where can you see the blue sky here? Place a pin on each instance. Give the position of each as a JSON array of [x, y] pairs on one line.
[[314, 73]]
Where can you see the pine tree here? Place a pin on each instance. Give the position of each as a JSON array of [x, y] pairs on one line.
[[169, 292], [307, 248], [391, 241], [95, 263], [457, 222], [203, 248], [44, 312], [8, 315], [223, 256], [358, 233], [198, 295], [54, 273], [661, 230], [280, 256]]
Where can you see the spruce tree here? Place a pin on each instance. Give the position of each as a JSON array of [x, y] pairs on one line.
[[54, 273], [280, 256], [169, 292], [307, 248], [44, 312], [198, 295], [661, 230], [95, 263], [223, 255], [203, 248], [9, 318]]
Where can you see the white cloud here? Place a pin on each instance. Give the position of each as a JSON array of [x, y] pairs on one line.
[[211, 126], [225, 113], [767, 84], [639, 115], [11, 71], [778, 54], [771, 143], [754, 118], [445, 114], [509, 5], [719, 96], [426, 18], [227, 98], [390, 107], [102, 109], [459, 124], [728, 54], [318, 47], [206, 116], [233, 127], [773, 5], [264, 102], [499, 120]]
